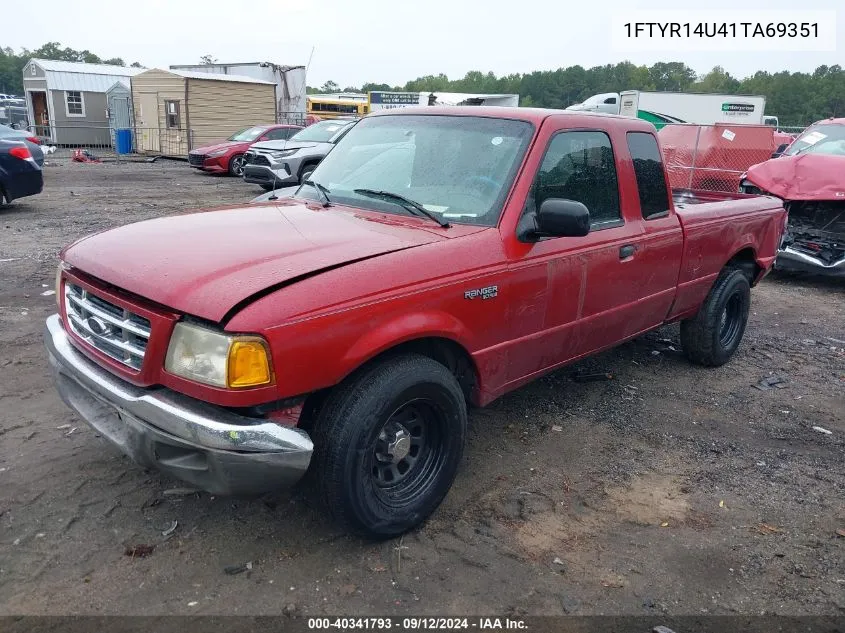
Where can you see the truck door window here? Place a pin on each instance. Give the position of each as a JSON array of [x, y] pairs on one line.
[[580, 166], [651, 181]]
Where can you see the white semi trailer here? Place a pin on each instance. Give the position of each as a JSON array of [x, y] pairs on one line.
[[662, 108]]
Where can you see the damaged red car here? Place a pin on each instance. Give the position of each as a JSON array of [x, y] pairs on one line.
[[228, 156], [810, 177]]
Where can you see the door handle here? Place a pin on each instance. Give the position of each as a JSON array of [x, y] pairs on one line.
[[627, 251]]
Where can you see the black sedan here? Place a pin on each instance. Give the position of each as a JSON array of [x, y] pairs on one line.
[[20, 169]]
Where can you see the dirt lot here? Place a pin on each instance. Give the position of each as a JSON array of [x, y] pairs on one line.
[[670, 489]]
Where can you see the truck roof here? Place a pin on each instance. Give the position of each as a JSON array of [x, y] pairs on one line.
[[533, 115]]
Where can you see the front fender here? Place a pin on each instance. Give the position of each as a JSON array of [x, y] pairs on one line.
[[402, 329]]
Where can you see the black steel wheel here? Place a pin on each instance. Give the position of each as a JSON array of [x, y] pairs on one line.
[[408, 454], [712, 337], [388, 442]]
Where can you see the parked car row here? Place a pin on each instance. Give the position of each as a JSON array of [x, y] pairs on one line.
[[228, 156], [274, 164], [271, 156]]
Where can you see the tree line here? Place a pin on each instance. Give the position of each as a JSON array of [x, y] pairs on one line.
[[12, 63], [796, 98]]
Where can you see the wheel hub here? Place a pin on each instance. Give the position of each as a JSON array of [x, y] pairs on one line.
[[395, 445]]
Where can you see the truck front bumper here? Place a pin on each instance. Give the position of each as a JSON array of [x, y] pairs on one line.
[[207, 446]]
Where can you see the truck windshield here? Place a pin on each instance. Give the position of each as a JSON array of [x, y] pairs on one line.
[[458, 167], [820, 139], [248, 134]]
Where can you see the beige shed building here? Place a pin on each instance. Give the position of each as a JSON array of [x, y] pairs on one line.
[[177, 110]]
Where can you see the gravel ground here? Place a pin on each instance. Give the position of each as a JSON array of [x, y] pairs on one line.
[[670, 489]]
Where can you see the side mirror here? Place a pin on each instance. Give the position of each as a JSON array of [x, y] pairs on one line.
[[556, 217], [563, 218], [780, 150]]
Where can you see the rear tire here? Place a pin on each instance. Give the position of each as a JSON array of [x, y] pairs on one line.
[[267, 187], [714, 334], [388, 443]]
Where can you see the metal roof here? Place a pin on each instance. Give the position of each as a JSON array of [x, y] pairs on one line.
[[219, 77], [282, 67], [90, 69], [84, 77]]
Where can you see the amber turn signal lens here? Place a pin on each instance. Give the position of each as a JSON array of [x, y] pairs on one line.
[[249, 364]]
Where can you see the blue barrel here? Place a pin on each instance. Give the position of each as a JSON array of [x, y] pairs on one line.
[[123, 141]]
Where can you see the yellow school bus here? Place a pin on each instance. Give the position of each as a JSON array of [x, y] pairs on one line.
[[334, 106]]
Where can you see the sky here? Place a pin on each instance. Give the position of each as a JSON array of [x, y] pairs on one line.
[[393, 41]]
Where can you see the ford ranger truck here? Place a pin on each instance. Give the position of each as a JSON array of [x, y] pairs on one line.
[[437, 258]]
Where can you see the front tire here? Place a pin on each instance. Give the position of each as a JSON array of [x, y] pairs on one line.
[[714, 334], [236, 165], [306, 173], [388, 443]]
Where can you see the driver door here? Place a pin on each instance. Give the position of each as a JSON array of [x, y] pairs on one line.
[[589, 284]]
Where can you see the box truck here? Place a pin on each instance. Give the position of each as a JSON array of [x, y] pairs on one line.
[[661, 108]]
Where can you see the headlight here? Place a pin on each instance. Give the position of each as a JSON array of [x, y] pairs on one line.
[[213, 358], [284, 153], [216, 153]]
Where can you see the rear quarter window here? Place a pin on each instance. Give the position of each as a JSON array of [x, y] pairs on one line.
[[648, 168]]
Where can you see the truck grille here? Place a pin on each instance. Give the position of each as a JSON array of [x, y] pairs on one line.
[[196, 159], [115, 331]]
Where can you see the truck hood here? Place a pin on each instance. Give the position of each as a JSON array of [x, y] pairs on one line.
[[206, 263], [801, 177]]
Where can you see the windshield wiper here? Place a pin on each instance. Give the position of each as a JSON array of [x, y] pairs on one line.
[[409, 204], [324, 191]]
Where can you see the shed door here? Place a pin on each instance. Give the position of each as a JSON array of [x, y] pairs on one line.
[[119, 110], [148, 134]]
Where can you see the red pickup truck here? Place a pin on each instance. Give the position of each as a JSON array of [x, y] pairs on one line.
[[437, 258]]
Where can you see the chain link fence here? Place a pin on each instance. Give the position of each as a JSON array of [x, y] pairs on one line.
[[92, 143], [792, 130], [714, 157]]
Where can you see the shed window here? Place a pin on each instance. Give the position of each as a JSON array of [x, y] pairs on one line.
[[74, 103], [171, 109]]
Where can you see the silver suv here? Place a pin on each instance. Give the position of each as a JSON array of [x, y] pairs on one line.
[[275, 164]]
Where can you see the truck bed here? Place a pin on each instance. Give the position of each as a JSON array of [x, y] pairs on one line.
[[716, 222]]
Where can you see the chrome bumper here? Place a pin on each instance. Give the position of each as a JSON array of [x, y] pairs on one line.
[[204, 445], [791, 259]]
